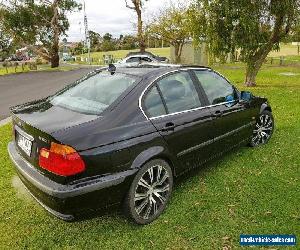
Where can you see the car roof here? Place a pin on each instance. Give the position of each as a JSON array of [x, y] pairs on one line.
[[145, 69], [140, 53], [137, 71]]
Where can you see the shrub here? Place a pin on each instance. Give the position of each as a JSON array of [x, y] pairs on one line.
[[15, 64], [32, 66], [38, 61]]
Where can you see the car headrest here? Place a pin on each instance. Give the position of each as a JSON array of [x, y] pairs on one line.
[[173, 89]]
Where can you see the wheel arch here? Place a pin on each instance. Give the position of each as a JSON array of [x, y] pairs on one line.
[[155, 152], [265, 106]]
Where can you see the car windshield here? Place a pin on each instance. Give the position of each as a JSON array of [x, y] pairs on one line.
[[94, 94]]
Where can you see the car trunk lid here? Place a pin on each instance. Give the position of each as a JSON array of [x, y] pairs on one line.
[[33, 128]]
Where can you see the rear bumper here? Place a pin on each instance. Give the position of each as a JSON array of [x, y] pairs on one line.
[[66, 201]]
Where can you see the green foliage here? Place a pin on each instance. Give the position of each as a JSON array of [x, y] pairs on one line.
[[107, 37], [128, 42], [78, 49], [254, 27], [172, 25], [31, 22], [247, 25], [6, 45], [95, 39]]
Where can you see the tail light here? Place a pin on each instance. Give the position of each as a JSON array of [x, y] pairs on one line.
[[61, 160]]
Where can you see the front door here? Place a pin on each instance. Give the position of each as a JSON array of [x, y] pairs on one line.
[[233, 120]]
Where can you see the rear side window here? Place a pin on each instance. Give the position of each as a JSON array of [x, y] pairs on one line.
[[179, 92], [153, 103], [133, 59], [217, 89], [94, 94]]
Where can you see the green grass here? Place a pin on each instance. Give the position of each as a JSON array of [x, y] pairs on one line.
[[43, 67], [12, 70], [285, 50], [251, 191]]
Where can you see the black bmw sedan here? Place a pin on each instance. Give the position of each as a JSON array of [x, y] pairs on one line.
[[122, 135]]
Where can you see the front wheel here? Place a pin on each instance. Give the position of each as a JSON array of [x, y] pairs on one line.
[[149, 192], [263, 129]]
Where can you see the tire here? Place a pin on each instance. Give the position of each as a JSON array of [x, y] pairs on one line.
[[263, 129], [149, 192]]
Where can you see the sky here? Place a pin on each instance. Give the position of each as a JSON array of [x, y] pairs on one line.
[[108, 16]]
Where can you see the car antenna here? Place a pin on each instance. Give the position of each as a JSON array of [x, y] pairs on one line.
[[112, 68]]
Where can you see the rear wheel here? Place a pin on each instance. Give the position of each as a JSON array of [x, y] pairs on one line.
[[149, 192], [263, 129]]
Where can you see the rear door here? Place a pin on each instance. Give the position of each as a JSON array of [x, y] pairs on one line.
[[177, 110], [233, 119]]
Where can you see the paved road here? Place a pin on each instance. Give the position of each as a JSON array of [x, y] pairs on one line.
[[19, 88]]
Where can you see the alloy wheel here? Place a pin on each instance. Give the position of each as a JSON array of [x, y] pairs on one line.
[[152, 192], [263, 129]]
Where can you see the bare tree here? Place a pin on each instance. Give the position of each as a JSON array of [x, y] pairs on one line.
[[137, 6]]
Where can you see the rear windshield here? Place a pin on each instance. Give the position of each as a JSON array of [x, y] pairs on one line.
[[93, 95]]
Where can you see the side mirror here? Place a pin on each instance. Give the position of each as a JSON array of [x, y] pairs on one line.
[[246, 96]]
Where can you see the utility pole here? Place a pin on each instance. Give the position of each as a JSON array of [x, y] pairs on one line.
[[87, 35]]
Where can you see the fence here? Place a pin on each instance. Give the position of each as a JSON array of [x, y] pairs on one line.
[[106, 59], [17, 66], [283, 61]]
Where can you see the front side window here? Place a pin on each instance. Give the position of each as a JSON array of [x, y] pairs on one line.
[[179, 92], [146, 59], [94, 94], [217, 89], [153, 103]]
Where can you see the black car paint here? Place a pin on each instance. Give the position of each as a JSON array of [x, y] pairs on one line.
[[121, 140]]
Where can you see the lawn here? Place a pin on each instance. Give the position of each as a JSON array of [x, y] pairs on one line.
[[43, 67], [249, 191], [285, 50]]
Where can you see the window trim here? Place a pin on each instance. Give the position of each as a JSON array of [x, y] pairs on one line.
[[160, 96], [192, 74]]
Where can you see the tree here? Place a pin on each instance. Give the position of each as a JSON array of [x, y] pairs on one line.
[[108, 43], [78, 49], [137, 6], [37, 22], [254, 27], [172, 25], [6, 45], [128, 42], [95, 39]]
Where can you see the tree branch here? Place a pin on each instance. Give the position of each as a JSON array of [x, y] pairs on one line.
[[128, 6]]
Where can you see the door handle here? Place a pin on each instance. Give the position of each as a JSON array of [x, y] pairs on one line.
[[218, 113], [169, 126]]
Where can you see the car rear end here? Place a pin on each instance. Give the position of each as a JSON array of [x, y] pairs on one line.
[[31, 152], [59, 177]]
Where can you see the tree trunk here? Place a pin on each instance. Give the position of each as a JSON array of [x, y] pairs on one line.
[[56, 32], [178, 51], [251, 72], [54, 56], [255, 62], [140, 31], [177, 57]]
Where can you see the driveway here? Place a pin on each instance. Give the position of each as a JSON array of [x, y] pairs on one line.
[[20, 88]]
